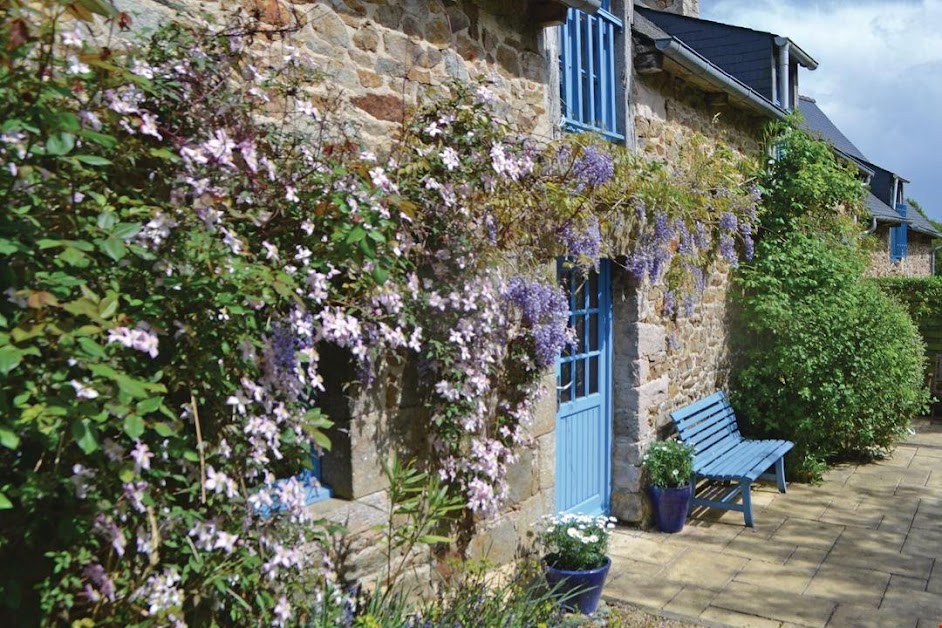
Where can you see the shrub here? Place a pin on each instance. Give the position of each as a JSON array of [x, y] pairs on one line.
[[574, 541], [669, 464], [828, 360]]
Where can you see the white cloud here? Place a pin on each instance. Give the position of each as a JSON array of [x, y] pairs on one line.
[[880, 75]]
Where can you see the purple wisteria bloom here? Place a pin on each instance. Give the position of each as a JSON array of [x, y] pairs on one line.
[[585, 242], [728, 221], [728, 250], [545, 310], [593, 167]]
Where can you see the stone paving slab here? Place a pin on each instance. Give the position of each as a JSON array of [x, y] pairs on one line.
[[862, 549]]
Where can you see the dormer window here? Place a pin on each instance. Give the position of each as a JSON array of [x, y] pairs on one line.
[[588, 88]]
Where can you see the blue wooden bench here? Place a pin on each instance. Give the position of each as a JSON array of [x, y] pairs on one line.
[[721, 454]]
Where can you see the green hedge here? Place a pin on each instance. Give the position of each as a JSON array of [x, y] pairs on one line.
[[922, 297]]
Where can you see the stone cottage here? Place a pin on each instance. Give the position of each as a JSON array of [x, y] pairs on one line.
[[553, 65]]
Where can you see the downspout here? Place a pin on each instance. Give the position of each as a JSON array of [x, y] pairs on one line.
[[784, 89], [873, 226], [932, 259]]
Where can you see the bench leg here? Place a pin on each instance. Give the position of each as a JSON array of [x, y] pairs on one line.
[[780, 475], [745, 487]]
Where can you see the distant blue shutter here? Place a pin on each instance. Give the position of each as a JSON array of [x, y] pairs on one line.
[[587, 71], [899, 236]]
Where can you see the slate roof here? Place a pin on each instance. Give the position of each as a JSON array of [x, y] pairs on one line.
[[717, 78], [921, 223], [818, 124], [881, 211], [743, 53]]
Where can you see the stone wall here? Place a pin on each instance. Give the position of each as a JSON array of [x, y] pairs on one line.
[[918, 260], [659, 364], [380, 57]]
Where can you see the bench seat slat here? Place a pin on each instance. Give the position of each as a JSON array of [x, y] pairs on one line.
[[701, 430], [722, 454], [715, 439], [751, 461], [706, 402]]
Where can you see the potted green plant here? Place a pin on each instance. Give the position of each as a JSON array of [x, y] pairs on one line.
[[576, 560], [669, 467]]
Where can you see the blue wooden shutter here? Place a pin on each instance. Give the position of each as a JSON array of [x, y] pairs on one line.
[[587, 71], [899, 236]]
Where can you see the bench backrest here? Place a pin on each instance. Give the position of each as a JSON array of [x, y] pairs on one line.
[[709, 426]]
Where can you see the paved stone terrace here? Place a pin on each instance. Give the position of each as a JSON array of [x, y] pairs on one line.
[[863, 549]]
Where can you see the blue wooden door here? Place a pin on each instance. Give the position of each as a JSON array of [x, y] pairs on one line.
[[583, 384]]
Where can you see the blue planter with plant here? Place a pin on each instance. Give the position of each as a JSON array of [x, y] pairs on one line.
[[576, 563], [669, 465]]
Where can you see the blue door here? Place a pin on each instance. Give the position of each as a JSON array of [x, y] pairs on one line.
[[583, 384]]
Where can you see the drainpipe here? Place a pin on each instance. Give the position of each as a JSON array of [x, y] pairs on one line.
[[784, 89], [932, 259], [873, 226]]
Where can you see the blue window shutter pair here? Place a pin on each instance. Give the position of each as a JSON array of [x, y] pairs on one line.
[[587, 71], [899, 236]]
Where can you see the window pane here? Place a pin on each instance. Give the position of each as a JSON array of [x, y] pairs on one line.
[[593, 332], [593, 375], [593, 290], [565, 382], [580, 333], [580, 380]]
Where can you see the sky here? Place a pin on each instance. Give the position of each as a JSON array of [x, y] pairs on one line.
[[879, 78]]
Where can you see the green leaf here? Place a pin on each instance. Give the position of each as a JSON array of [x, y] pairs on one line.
[[125, 230], [74, 257], [10, 357], [321, 439], [105, 141], [5, 503], [9, 438], [92, 160], [60, 144], [108, 305], [380, 274], [107, 220], [149, 405], [84, 434], [91, 347], [114, 248], [164, 430], [355, 235], [126, 474], [133, 426]]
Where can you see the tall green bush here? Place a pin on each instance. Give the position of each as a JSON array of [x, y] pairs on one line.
[[826, 359], [830, 361]]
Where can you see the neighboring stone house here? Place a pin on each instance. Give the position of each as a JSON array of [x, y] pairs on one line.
[[614, 396], [904, 234]]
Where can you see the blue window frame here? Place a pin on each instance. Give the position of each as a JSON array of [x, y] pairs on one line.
[[587, 71], [899, 236]]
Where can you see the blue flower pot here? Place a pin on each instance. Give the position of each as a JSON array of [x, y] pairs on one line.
[[671, 506], [581, 590]]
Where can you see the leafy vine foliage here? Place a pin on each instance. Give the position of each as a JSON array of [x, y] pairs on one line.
[[827, 359], [183, 233]]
